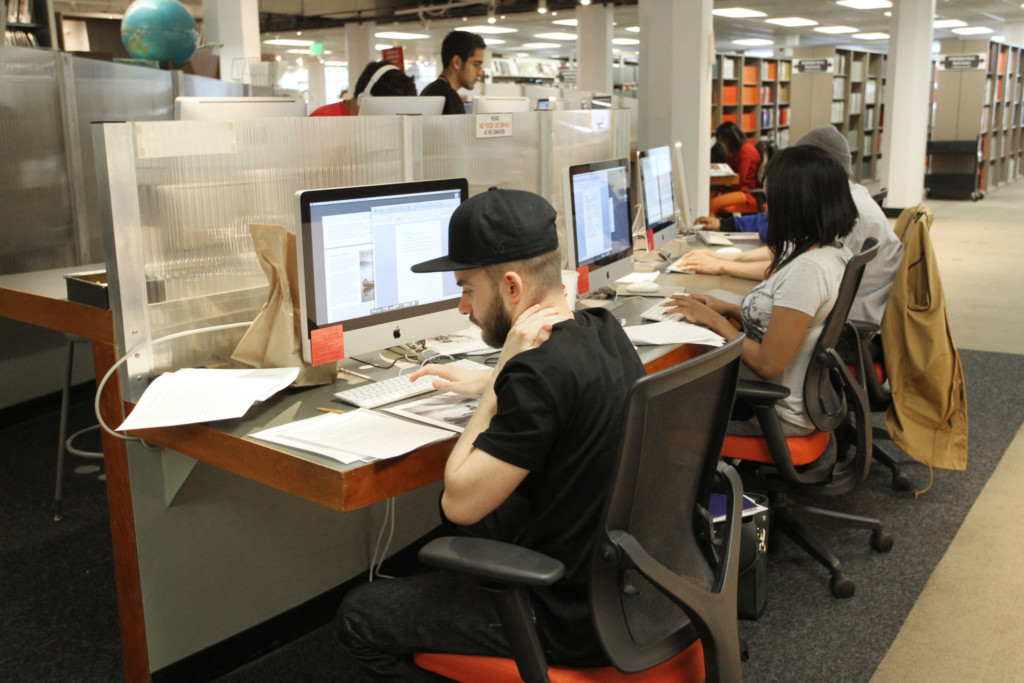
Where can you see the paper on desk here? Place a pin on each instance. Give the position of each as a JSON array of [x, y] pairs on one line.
[[673, 332], [463, 341], [359, 435], [201, 395]]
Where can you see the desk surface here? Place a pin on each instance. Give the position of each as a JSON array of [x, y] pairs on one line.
[[348, 487], [40, 298]]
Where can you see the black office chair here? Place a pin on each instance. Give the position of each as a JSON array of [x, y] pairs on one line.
[[822, 463], [663, 589]]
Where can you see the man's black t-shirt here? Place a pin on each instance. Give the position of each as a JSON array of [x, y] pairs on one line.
[[559, 415], [452, 102]]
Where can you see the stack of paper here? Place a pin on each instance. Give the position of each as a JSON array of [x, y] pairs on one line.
[[202, 395], [673, 332], [361, 435]]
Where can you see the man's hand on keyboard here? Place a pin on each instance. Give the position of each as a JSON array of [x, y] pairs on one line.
[[702, 261], [455, 379]]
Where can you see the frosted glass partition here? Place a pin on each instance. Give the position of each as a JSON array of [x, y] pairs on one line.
[[183, 193], [36, 231]]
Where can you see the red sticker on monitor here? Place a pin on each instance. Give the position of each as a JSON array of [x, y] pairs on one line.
[[650, 240], [327, 344], [583, 285]]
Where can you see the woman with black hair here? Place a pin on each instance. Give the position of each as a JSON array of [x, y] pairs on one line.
[[743, 158], [809, 210], [378, 79]]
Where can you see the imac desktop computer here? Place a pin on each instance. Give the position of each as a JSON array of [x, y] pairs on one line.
[[234, 108], [431, 105], [355, 247], [655, 180], [597, 223]]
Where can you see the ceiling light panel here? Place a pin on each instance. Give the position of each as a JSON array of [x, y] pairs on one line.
[[972, 30], [835, 29], [494, 30], [738, 13], [753, 42], [556, 36], [865, 4], [541, 46], [633, 29], [792, 22], [949, 23], [400, 35], [565, 22], [289, 41], [625, 41], [871, 36]]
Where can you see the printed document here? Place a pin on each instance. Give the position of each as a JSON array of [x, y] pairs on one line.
[[673, 332]]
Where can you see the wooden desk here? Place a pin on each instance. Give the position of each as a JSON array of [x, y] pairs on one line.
[[39, 299]]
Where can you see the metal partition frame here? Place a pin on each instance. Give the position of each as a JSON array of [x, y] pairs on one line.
[[182, 194]]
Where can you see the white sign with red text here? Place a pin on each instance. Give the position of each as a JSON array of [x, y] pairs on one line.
[[493, 126]]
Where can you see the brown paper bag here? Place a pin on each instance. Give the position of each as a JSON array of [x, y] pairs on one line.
[[272, 341]]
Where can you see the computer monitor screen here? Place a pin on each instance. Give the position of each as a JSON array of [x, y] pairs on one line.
[[355, 248], [234, 108], [601, 101], [542, 104], [493, 104], [598, 240], [656, 193], [430, 105]]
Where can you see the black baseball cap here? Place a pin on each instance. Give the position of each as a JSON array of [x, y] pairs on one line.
[[496, 226]]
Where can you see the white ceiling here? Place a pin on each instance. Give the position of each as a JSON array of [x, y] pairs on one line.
[[442, 16]]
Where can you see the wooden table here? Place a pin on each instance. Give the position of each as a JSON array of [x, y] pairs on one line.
[[39, 299]]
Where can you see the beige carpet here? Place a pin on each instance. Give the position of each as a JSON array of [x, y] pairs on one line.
[[968, 623]]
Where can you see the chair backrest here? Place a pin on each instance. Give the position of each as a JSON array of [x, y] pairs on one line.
[[824, 384], [767, 149], [654, 570]]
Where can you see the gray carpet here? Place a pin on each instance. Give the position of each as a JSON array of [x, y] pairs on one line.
[[59, 617]]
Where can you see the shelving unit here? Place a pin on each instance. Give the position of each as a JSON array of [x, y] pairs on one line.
[[754, 92], [844, 88], [28, 23], [978, 96], [517, 69]]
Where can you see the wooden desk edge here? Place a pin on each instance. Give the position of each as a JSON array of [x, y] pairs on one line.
[[96, 324]]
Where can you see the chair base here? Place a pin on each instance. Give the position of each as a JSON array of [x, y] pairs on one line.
[[785, 519], [900, 481]]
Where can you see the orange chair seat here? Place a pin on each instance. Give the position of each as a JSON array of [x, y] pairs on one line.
[[802, 449], [687, 666], [879, 372]]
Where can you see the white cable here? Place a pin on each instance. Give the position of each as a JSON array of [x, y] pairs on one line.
[[387, 544], [120, 361], [389, 517]]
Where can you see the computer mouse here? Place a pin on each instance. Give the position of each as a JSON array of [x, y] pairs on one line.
[[728, 250], [642, 288]]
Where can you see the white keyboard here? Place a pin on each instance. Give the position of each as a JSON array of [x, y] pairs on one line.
[[713, 239], [375, 394], [659, 313]]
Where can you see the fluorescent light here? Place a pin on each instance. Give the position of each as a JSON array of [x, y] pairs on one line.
[[753, 42], [998, 39], [584, 2], [836, 29], [633, 29], [565, 22], [625, 41], [297, 51], [972, 30], [556, 36], [400, 35], [289, 41], [541, 46], [792, 22], [382, 46], [494, 30], [865, 4], [738, 13], [542, 6], [494, 41], [949, 23], [871, 36]]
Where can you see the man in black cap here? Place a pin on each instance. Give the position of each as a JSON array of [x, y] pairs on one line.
[[544, 436]]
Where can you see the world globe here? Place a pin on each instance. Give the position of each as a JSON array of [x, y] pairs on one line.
[[162, 31]]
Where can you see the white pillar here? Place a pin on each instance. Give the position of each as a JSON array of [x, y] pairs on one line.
[[235, 26], [676, 53], [358, 51], [1014, 33], [908, 77], [595, 48], [316, 97]]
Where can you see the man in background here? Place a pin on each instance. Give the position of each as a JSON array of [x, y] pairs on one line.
[[462, 60]]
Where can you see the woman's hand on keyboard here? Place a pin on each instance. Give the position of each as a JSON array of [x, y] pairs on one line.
[[455, 379]]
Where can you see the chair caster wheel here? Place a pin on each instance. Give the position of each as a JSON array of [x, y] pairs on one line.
[[881, 541], [841, 586], [900, 482]]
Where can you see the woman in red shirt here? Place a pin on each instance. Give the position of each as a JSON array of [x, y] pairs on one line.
[[743, 158]]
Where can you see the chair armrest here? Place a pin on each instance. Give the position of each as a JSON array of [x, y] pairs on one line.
[[760, 394], [865, 330], [492, 560]]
